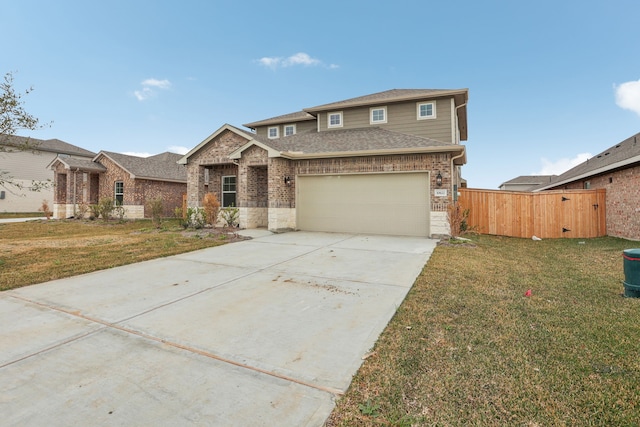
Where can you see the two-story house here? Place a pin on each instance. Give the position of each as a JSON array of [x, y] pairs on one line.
[[386, 163], [25, 165]]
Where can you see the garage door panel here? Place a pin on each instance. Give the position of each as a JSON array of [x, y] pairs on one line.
[[396, 204]]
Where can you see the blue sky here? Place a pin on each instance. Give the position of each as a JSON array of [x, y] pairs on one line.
[[550, 82]]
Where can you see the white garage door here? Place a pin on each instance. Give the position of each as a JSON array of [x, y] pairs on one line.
[[388, 203]]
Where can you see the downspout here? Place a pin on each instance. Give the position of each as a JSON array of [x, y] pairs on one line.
[[464, 104], [457, 142], [454, 188], [75, 189]]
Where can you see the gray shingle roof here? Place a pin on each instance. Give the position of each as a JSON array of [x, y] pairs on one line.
[[161, 167], [392, 95], [299, 116], [620, 155], [349, 141], [83, 164], [530, 179], [49, 145]]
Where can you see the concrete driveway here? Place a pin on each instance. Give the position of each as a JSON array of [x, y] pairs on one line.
[[263, 332]]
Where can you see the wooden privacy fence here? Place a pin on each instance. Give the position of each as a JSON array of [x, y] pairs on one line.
[[548, 214]]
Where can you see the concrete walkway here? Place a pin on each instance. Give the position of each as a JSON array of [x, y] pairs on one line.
[[262, 332], [9, 220]]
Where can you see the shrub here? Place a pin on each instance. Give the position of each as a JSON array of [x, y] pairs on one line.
[[211, 208], [81, 210], [45, 209], [230, 216], [105, 208], [94, 211], [195, 217], [458, 217], [156, 210]]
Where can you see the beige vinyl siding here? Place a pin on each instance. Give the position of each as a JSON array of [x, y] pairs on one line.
[[401, 117], [27, 165], [300, 127]]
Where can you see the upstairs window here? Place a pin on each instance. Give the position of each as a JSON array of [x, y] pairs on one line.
[[334, 120], [273, 132], [228, 191], [118, 193], [426, 110], [289, 130], [378, 115]]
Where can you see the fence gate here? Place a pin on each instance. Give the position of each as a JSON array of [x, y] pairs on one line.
[[548, 214]]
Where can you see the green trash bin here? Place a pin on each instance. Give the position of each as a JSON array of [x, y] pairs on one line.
[[631, 261]]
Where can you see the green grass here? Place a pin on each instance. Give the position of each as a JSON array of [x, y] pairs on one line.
[[38, 251], [5, 215], [468, 348]]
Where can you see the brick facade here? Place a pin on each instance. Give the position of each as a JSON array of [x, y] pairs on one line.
[[623, 200], [76, 187], [266, 186], [214, 157], [72, 188], [433, 163]]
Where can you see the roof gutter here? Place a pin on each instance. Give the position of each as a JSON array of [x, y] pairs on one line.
[[594, 172], [300, 155]]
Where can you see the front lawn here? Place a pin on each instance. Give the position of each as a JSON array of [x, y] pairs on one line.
[[467, 347], [38, 251]]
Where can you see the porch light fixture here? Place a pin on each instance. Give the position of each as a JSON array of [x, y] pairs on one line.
[[287, 180], [439, 179]]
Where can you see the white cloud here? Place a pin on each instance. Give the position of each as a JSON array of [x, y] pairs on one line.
[[560, 166], [160, 84], [137, 154], [148, 87], [300, 58], [270, 62], [178, 149], [628, 96]]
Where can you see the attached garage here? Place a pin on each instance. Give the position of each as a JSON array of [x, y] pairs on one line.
[[381, 203]]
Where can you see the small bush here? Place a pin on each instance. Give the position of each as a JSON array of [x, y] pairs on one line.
[[156, 210], [211, 208], [45, 209], [182, 217], [230, 216], [195, 217], [81, 210], [104, 208], [458, 217]]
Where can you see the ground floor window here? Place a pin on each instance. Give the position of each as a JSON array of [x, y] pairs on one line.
[[228, 191], [118, 193]]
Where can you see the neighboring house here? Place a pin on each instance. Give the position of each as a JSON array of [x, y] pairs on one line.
[[617, 169], [26, 166], [526, 182], [130, 181], [386, 163]]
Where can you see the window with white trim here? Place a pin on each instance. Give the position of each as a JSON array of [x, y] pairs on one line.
[[118, 192], [426, 110], [334, 120], [273, 132], [228, 191], [377, 115], [289, 130]]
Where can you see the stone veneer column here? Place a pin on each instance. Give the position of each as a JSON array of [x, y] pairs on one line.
[[281, 214], [195, 185]]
